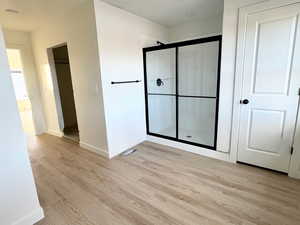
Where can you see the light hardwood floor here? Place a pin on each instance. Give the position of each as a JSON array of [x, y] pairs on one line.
[[156, 186]]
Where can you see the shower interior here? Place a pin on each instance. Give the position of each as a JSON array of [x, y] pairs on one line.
[[182, 90]]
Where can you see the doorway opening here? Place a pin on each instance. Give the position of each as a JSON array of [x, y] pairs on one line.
[[20, 88], [66, 94]]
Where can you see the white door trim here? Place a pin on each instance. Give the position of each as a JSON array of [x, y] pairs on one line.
[[55, 89], [294, 170]]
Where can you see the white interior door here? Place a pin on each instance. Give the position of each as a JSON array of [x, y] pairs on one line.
[[271, 82]]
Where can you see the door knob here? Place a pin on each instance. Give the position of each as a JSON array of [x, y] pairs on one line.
[[244, 101]]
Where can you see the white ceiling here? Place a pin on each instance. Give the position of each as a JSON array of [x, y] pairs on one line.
[[171, 12], [32, 13]]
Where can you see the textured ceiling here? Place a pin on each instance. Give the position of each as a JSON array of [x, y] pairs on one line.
[[171, 12], [32, 13]]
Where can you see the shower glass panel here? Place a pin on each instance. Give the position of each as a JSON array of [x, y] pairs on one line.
[[162, 115], [197, 120], [198, 69], [182, 91], [161, 91], [197, 83]]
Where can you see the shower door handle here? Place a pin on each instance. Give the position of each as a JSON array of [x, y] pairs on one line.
[[244, 101]]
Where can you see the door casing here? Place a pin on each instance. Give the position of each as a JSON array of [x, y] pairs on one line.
[[238, 83]]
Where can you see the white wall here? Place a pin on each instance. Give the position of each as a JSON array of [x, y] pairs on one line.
[[78, 30], [196, 29], [121, 37], [19, 203], [22, 41]]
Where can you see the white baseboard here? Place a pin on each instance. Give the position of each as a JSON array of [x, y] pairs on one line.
[[190, 148], [94, 149], [31, 218], [55, 133]]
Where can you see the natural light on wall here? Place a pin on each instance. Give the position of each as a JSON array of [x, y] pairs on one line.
[[19, 83], [47, 71], [14, 60]]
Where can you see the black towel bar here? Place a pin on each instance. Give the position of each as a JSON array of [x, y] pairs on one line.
[[125, 82]]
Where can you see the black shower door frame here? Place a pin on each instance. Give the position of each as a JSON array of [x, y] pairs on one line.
[[176, 45]]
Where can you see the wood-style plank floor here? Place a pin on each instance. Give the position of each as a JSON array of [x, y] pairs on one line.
[[156, 186]]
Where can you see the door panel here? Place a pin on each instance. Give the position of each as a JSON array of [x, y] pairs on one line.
[[266, 136], [270, 83], [274, 56]]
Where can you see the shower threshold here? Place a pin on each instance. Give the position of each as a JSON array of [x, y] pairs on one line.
[[195, 136]]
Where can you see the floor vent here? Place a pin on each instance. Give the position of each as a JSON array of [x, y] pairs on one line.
[[128, 152]]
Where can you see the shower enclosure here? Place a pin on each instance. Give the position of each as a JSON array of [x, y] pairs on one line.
[[182, 91]]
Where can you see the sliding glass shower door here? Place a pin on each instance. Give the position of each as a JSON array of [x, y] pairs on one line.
[[181, 89], [161, 89], [198, 82]]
